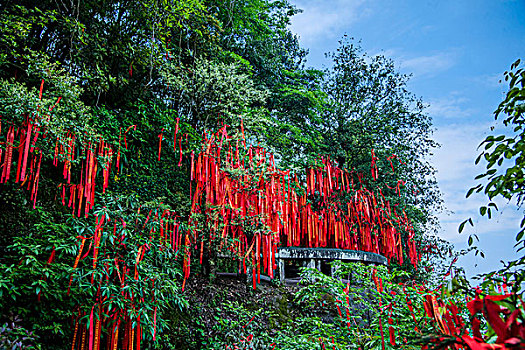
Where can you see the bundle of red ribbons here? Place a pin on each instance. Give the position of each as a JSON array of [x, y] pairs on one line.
[[239, 182]]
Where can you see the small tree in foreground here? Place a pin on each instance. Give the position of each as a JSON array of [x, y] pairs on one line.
[[497, 320]]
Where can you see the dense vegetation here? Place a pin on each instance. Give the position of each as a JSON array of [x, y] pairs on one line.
[[124, 94]]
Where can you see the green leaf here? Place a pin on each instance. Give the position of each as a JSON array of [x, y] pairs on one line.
[[520, 234], [478, 158], [480, 176], [462, 225], [492, 204], [483, 211]]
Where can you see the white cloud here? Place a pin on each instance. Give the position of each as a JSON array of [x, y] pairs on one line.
[[456, 172], [454, 162], [429, 65], [422, 66], [492, 81], [320, 21], [389, 53], [451, 107]]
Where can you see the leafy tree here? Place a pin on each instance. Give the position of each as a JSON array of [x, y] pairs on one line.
[[209, 92], [167, 66], [372, 117], [505, 161], [371, 108], [362, 116], [503, 154], [496, 308], [112, 47], [257, 31], [359, 112], [295, 134]]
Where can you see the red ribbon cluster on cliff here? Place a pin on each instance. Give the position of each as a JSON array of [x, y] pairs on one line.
[[235, 183]]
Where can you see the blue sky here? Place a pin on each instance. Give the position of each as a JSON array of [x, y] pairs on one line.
[[456, 52]]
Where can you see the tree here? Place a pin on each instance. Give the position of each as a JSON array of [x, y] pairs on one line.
[[208, 92], [505, 160], [496, 310], [371, 118], [371, 108], [130, 74], [113, 47], [503, 154], [296, 109]]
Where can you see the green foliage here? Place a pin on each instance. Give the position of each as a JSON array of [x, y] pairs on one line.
[[111, 46], [13, 336], [503, 288], [31, 288], [257, 31], [503, 154], [361, 306], [208, 92], [297, 106], [155, 285], [371, 108], [153, 64], [227, 315]]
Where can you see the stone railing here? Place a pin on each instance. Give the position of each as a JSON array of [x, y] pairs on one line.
[[312, 257]]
